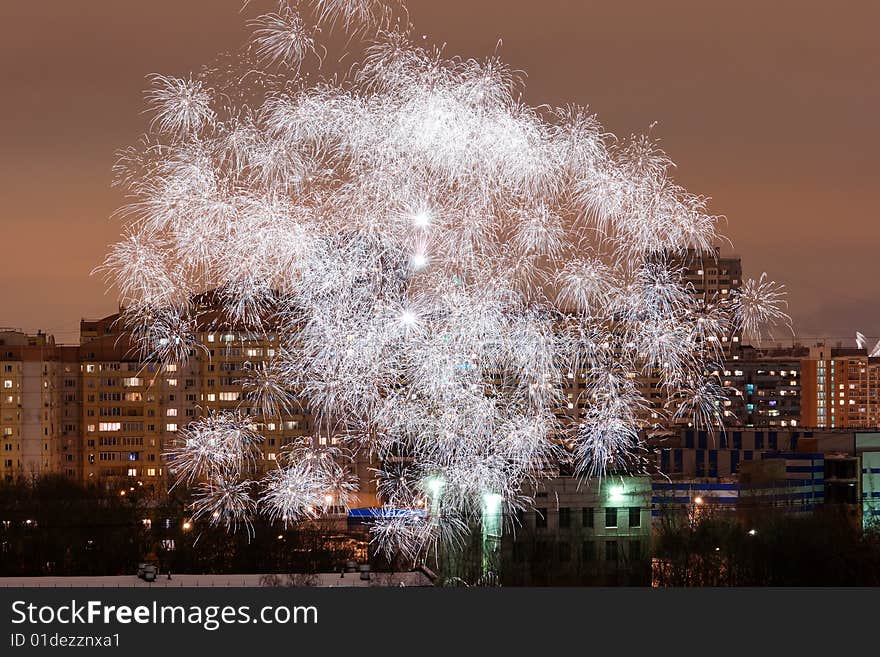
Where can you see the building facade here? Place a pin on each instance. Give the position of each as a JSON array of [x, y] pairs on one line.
[[39, 407], [840, 388]]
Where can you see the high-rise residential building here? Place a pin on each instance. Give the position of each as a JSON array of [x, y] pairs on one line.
[[123, 423], [134, 408], [840, 388], [39, 407], [712, 277], [764, 387]]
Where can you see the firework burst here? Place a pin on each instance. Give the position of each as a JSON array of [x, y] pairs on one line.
[[463, 285]]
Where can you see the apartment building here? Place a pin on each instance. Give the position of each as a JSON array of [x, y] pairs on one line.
[[840, 388], [39, 407], [764, 387], [134, 408]]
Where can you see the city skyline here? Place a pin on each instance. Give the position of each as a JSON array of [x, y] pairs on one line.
[[779, 148]]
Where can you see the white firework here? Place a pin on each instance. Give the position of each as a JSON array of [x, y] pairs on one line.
[[356, 14], [225, 501], [761, 304], [219, 445], [181, 107], [440, 263], [283, 37]]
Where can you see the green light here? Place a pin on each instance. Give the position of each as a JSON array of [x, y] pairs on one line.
[[435, 485], [492, 501], [616, 493]]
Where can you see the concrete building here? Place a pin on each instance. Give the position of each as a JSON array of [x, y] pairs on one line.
[[125, 428], [765, 387], [699, 453], [39, 407], [840, 388], [789, 482], [134, 408], [582, 532]]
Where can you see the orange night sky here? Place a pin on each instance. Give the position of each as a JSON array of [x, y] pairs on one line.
[[770, 108]]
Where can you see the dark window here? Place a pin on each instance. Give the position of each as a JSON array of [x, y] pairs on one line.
[[701, 463], [541, 551], [737, 439], [540, 518], [759, 440], [679, 461], [734, 462], [702, 438], [635, 550], [610, 550], [772, 440], [564, 518], [689, 439], [588, 551], [664, 460], [611, 517], [564, 552], [713, 462], [588, 517], [635, 516]]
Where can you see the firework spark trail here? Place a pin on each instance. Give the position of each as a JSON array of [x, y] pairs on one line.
[[441, 263]]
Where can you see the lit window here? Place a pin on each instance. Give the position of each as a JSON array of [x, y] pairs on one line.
[[212, 396], [171, 412], [210, 337], [171, 427], [172, 382], [171, 368], [229, 396], [151, 472], [132, 472], [7, 383], [132, 382], [109, 426]]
